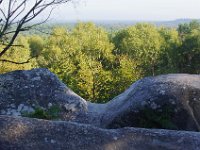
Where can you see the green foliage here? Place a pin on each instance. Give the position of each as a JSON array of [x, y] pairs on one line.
[[141, 42], [19, 53], [98, 65], [36, 45], [189, 51], [125, 74], [170, 54], [94, 42], [38, 113], [82, 59], [50, 114]]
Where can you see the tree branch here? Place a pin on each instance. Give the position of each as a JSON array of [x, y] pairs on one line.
[[15, 16], [14, 62]]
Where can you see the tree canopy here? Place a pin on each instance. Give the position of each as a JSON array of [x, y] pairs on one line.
[[99, 64]]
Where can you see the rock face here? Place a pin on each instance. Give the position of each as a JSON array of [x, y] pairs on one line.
[[166, 101], [27, 134], [23, 91]]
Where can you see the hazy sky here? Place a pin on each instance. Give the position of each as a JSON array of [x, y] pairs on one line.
[[129, 10]]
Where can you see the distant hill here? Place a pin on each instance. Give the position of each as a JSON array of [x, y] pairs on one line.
[[107, 24], [172, 23]]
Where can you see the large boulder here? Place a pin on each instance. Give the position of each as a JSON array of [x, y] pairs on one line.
[[24, 91], [28, 134], [167, 101]]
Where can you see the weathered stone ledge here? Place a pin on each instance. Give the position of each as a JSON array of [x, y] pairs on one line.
[[28, 134]]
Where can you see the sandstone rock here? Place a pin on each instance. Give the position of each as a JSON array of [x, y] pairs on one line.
[[23, 91], [167, 101], [28, 134]]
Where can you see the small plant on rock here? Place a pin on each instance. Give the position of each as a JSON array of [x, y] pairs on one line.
[[50, 114]]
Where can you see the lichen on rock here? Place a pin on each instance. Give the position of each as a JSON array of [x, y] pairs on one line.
[[23, 91]]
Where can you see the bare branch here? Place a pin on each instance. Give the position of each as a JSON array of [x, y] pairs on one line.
[[4, 15], [19, 13], [14, 62], [14, 45], [17, 17], [11, 41]]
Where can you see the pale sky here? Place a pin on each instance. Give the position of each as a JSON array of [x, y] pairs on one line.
[[129, 10]]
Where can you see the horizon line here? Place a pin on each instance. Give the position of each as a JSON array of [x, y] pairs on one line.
[[121, 20]]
